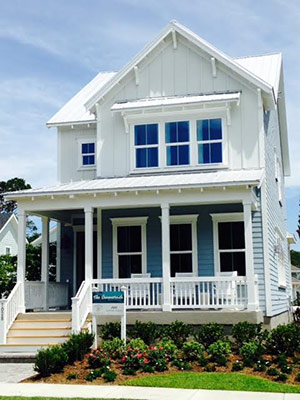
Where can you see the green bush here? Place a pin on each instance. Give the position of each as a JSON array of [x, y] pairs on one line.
[[178, 331], [210, 368], [245, 332], [110, 330], [284, 339], [8, 274], [281, 360], [109, 376], [210, 333], [219, 351], [91, 376], [272, 372], [169, 348], [147, 331], [281, 378], [157, 358], [286, 369], [298, 377], [137, 344], [98, 359], [260, 366], [114, 348], [250, 353], [192, 350], [78, 346], [237, 366], [51, 360], [148, 368], [182, 365]]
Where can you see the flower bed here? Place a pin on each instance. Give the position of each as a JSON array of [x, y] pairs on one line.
[[250, 350]]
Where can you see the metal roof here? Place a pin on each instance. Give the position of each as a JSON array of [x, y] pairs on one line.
[[148, 182], [74, 110], [4, 217], [266, 67], [175, 100]]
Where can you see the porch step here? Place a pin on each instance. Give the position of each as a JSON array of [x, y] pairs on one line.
[[44, 324], [43, 316], [31, 331], [17, 358], [37, 339], [21, 348]]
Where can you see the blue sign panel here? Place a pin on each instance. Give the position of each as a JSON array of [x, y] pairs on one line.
[[108, 297]]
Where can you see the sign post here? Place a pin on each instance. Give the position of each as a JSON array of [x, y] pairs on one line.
[[110, 303]]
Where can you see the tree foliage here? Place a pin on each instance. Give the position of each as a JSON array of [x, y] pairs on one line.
[[11, 185], [295, 258]]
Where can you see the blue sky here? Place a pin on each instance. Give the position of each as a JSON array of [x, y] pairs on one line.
[[51, 48]]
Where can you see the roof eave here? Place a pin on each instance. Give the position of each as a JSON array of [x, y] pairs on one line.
[[70, 123]]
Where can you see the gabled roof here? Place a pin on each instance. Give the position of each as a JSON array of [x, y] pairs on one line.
[[74, 112], [5, 219], [199, 42], [148, 182]]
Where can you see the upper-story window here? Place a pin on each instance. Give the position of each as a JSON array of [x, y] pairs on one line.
[[209, 139], [146, 145], [178, 143], [88, 154]]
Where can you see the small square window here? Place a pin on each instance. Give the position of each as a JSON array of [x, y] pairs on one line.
[[88, 156]]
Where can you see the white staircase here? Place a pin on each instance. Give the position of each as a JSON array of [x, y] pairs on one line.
[[32, 331]]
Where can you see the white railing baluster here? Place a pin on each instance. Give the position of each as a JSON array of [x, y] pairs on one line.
[[9, 309], [81, 306]]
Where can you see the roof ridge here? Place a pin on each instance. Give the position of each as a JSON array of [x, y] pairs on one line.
[[258, 55]]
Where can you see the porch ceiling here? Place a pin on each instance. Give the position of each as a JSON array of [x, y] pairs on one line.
[[160, 181]]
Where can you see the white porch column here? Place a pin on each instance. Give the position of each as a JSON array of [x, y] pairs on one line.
[[58, 250], [45, 260], [21, 254], [88, 212], [99, 243], [166, 265], [252, 293]]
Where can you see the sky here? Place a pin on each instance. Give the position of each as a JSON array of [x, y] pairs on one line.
[[51, 48]]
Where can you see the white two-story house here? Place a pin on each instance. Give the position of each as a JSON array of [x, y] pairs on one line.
[[171, 183]]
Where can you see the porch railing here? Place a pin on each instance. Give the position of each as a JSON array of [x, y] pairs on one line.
[[9, 309], [209, 292], [142, 293], [81, 306]]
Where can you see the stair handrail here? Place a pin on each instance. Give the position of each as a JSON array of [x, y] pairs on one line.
[[9, 310], [81, 306]]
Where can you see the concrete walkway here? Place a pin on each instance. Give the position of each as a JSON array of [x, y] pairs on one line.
[[15, 372], [126, 392]]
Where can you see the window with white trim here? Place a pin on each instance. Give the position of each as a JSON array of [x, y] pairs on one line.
[[183, 244], [129, 246], [87, 154], [7, 250], [229, 243], [177, 137], [146, 145], [210, 141], [279, 253]]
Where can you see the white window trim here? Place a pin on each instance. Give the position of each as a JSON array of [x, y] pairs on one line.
[[8, 247], [134, 147], [188, 219], [281, 264], [129, 221], [191, 117], [223, 217], [81, 141]]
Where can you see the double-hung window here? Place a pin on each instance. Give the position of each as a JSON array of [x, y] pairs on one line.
[[146, 145], [210, 141], [88, 154], [177, 137]]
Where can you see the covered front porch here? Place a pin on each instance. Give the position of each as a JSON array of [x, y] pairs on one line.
[[175, 249]]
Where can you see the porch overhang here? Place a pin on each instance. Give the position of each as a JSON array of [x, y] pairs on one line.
[[162, 182]]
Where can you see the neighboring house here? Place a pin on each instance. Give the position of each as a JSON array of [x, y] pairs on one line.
[[171, 183], [8, 234], [295, 281], [52, 237]]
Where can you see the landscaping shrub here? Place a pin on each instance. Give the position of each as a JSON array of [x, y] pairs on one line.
[[286, 369], [110, 376], [147, 331], [182, 365], [237, 366], [281, 378], [272, 372], [260, 366], [246, 332], [132, 361], [91, 376], [170, 348], [78, 346], [209, 333], [137, 344], [218, 352], [115, 348], [281, 360], [71, 377], [178, 332], [250, 353], [298, 377], [51, 360], [157, 358], [110, 330], [192, 350], [148, 368], [284, 339], [210, 368], [98, 359]]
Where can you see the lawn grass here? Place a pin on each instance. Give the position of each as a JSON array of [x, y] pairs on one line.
[[214, 380]]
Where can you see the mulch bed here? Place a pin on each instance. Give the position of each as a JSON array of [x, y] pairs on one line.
[[81, 369]]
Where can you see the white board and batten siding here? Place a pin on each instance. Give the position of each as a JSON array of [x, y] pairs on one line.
[[9, 238]]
